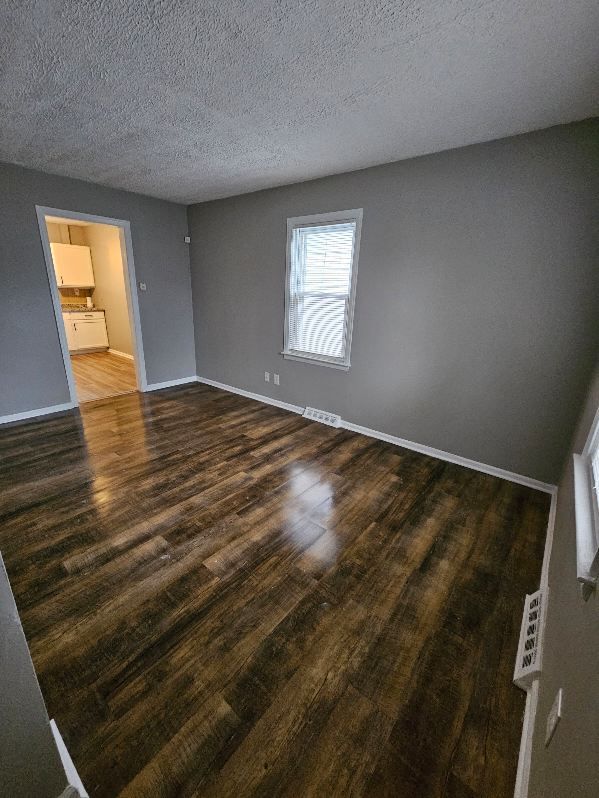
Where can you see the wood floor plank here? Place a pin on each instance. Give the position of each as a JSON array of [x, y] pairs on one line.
[[340, 764], [189, 753], [224, 598], [102, 374], [288, 727]]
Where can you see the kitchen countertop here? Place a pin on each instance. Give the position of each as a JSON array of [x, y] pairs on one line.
[[81, 309]]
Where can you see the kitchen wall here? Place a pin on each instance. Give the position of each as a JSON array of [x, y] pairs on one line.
[[74, 296], [58, 233], [109, 292], [477, 297], [569, 766], [32, 373]]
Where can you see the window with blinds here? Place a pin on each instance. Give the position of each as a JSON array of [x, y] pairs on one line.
[[322, 255]]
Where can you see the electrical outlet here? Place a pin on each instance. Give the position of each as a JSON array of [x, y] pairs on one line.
[[554, 716], [276, 379], [267, 376], [187, 239], [142, 286]]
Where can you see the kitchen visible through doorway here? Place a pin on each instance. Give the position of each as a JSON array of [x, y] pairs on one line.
[[90, 274]]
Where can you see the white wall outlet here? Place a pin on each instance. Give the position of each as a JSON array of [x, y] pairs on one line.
[[267, 376], [187, 239], [553, 718], [142, 286], [76, 292], [276, 379]]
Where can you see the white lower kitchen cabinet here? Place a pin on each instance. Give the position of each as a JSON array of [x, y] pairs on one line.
[[85, 331], [70, 330], [90, 334]]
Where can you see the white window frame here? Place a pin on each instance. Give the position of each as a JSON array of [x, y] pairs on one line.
[[335, 217], [586, 505]]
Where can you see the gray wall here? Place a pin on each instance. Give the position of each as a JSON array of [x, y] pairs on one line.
[[30, 765], [31, 368], [477, 299], [570, 766]]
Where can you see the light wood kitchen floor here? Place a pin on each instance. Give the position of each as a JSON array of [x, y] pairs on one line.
[[102, 374]]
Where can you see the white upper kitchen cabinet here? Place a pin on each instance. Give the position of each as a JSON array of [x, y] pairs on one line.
[[73, 265]]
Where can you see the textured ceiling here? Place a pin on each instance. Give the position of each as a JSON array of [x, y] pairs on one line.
[[196, 100]]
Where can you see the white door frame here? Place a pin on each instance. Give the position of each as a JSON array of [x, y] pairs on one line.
[[130, 290]]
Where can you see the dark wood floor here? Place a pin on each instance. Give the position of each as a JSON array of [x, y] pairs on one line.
[[102, 374], [224, 599]]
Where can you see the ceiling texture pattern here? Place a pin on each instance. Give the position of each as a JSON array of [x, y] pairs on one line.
[[190, 100]]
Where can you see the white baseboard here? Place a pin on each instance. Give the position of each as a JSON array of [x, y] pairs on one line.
[[268, 400], [75, 785], [40, 411], [510, 476], [532, 695], [157, 386], [70, 792], [528, 726], [121, 354], [549, 542], [383, 436]]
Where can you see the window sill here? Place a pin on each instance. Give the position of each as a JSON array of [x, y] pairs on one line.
[[315, 361]]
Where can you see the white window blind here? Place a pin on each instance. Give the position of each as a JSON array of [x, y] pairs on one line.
[[321, 272]]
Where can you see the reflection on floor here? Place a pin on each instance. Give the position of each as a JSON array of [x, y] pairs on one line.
[[102, 374], [223, 599]]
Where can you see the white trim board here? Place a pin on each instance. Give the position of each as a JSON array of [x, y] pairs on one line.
[[293, 223], [267, 400], [457, 459], [75, 785], [383, 436], [40, 411], [532, 695], [44, 411], [525, 755], [126, 242], [120, 354], [548, 544], [157, 386], [70, 792]]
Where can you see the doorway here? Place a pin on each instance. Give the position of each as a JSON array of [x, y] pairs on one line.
[[90, 267]]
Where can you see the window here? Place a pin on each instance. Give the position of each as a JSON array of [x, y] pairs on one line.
[[586, 505], [322, 265]]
